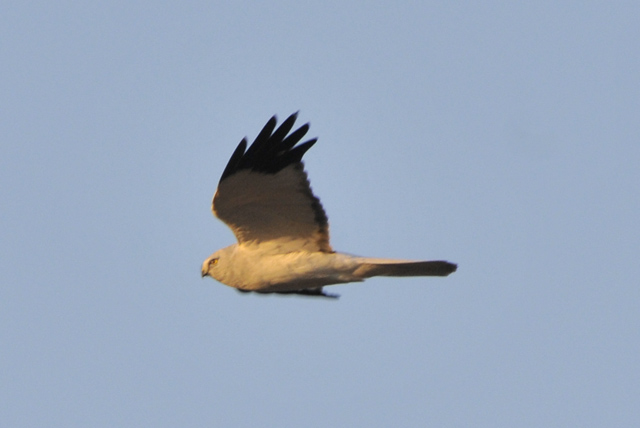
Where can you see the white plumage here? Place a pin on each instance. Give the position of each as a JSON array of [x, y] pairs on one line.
[[264, 196]]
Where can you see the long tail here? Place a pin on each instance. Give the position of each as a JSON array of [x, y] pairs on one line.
[[387, 267]]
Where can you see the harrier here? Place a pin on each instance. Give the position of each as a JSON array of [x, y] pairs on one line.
[[282, 230]]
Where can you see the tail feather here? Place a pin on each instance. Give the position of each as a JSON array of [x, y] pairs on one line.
[[382, 267]]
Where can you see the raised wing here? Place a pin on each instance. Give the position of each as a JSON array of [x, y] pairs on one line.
[[264, 194]]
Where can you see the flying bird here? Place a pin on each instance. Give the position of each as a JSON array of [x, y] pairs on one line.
[[264, 196]]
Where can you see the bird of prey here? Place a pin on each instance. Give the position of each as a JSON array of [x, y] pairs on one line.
[[282, 230]]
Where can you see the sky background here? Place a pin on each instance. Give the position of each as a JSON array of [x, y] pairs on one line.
[[501, 136]]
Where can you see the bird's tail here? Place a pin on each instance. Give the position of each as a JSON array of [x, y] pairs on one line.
[[390, 267]]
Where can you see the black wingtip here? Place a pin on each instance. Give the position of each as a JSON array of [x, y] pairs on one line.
[[445, 268], [311, 292], [273, 149], [235, 159]]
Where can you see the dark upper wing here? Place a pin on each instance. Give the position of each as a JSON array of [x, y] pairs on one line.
[[264, 194]]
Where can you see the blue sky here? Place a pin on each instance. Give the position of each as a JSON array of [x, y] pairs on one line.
[[504, 137]]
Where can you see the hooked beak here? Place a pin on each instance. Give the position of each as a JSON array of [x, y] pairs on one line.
[[204, 273]]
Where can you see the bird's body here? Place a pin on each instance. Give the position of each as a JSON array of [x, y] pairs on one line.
[[266, 269], [281, 227], [258, 268]]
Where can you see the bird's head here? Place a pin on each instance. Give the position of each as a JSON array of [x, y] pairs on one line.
[[209, 265], [217, 264]]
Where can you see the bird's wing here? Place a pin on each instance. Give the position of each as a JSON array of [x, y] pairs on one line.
[[264, 194]]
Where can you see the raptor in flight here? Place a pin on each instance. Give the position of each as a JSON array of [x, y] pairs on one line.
[[282, 230]]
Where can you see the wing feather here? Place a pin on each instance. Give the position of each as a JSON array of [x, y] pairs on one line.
[[264, 194]]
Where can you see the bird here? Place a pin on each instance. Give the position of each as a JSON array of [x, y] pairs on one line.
[[265, 197]]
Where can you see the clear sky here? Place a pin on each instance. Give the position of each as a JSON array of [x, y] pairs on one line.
[[502, 136]]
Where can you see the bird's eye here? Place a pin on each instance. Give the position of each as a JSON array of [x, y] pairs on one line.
[[213, 262]]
